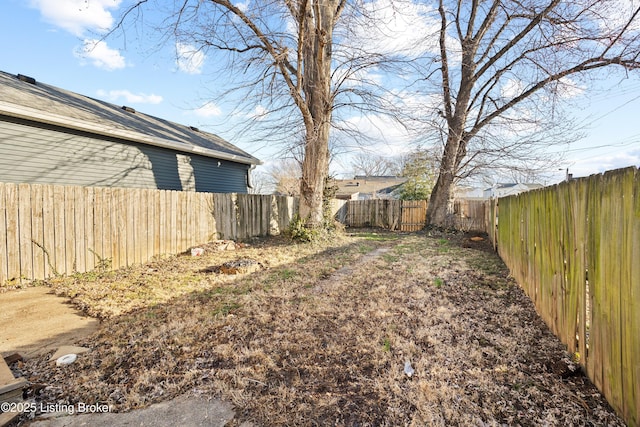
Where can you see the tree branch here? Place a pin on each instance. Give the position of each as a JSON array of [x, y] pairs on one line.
[[515, 40], [272, 50], [590, 64], [446, 85]]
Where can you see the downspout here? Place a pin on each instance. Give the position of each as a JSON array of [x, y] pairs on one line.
[[249, 178]]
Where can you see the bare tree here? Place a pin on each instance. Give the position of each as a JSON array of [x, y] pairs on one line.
[[285, 175], [505, 65], [260, 182], [295, 57], [374, 165]]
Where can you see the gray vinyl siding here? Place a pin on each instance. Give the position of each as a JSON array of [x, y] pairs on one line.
[[42, 154]]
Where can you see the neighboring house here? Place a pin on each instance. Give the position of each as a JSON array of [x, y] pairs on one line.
[[369, 187], [52, 136], [467, 192], [510, 189]]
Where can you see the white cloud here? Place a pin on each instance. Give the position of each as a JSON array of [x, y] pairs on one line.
[[243, 5], [616, 14], [132, 98], [407, 28], [208, 110], [384, 136], [605, 162], [568, 88], [100, 55], [354, 78], [80, 17], [77, 16], [190, 60], [565, 88], [258, 113], [512, 88], [426, 103]]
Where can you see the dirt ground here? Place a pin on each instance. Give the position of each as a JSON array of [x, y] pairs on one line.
[[369, 329], [34, 321]]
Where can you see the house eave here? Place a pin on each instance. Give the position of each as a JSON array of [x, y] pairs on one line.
[[32, 114]]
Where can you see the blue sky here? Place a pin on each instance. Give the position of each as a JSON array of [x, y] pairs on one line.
[[46, 39]]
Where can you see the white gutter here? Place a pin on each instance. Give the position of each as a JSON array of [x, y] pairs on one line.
[[28, 113]]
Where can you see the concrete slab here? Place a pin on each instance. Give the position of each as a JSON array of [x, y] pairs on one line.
[[34, 321], [184, 411]]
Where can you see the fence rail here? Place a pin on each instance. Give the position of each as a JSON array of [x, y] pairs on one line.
[[575, 250], [47, 230]]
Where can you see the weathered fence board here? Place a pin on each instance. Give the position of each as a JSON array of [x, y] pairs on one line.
[[414, 215], [575, 250], [37, 229], [99, 232], [24, 230], [47, 230], [374, 213], [631, 348], [3, 232], [89, 241], [108, 231], [470, 215], [338, 210], [407, 215], [13, 238]]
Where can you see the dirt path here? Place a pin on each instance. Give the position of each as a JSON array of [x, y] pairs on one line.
[[343, 273], [34, 321]]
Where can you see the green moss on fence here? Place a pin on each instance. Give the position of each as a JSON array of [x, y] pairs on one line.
[[575, 250]]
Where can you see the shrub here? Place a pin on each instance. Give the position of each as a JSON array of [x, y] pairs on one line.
[[298, 230]]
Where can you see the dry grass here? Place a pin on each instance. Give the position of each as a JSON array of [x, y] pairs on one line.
[[321, 336]]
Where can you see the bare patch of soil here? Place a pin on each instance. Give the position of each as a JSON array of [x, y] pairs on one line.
[[33, 322], [322, 334]]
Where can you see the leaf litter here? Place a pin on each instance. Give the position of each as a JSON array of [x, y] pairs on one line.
[[367, 329]]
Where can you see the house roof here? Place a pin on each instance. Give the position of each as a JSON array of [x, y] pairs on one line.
[[368, 185], [23, 98], [530, 186]]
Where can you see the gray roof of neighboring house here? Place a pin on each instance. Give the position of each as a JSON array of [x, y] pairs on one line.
[[530, 186], [368, 184], [38, 102]]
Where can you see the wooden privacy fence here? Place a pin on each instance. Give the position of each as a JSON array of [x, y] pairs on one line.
[[410, 215], [46, 230], [470, 215], [403, 215], [575, 249], [374, 213], [414, 215]]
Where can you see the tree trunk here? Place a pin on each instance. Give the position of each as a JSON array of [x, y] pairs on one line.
[[455, 149], [317, 32], [438, 208], [315, 169]]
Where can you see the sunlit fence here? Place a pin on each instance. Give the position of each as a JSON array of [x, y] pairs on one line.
[[48, 230], [403, 215], [575, 249], [411, 215]]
